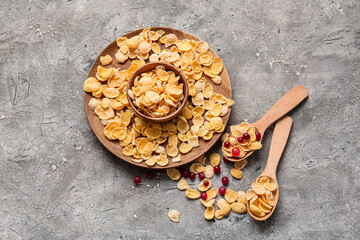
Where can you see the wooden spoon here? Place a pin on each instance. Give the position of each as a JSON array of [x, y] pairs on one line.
[[278, 142], [289, 101]]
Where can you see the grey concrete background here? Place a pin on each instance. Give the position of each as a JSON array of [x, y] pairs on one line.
[[58, 182]]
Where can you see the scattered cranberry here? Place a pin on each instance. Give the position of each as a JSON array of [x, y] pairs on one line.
[[225, 180], [235, 152], [150, 174], [240, 139], [206, 183], [227, 144], [246, 136], [185, 173], [225, 160], [201, 176], [203, 196], [137, 179], [217, 169], [222, 190], [192, 176], [258, 136], [181, 168]]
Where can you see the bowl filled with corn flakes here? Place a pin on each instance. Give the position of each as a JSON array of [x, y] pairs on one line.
[[157, 91]]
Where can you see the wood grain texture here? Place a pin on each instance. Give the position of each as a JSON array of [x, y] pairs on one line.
[[113, 146]]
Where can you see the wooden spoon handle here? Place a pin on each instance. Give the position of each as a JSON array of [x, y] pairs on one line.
[[278, 142], [289, 101]]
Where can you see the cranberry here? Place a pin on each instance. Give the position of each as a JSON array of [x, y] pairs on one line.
[[222, 190], [227, 144], [201, 176], [258, 136], [225, 160], [137, 179], [203, 196], [206, 183], [217, 169], [181, 168], [240, 139], [192, 176], [235, 152], [246, 136], [150, 174], [225, 180], [185, 173]]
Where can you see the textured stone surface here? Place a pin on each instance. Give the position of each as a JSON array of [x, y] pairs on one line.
[[58, 182]]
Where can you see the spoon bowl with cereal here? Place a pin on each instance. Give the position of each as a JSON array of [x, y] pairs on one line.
[[246, 138], [263, 195]]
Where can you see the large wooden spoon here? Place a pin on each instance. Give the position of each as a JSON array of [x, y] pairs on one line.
[[278, 142], [289, 101]]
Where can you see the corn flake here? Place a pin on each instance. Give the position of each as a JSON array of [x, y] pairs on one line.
[[173, 173], [192, 194]]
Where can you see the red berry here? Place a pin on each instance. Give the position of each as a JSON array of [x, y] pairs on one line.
[[258, 136], [203, 196], [235, 152], [150, 174], [137, 179], [225, 180], [227, 144], [181, 168], [246, 136], [217, 169], [206, 183], [222, 190], [240, 139], [225, 160], [185, 173], [192, 176], [201, 176]]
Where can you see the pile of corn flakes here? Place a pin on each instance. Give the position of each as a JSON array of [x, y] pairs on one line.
[[157, 143], [261, 196], [157, 93]]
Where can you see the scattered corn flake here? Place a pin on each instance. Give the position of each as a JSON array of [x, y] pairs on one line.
[[240, 164], [238, 207], [209, 213], [197, 168], [192, 194], [174, 216], [215, 159], [236, 173], [231, 196], [182, 184], [211, 193], [173, 173], [202, 187], [207, 203], [209, 171]]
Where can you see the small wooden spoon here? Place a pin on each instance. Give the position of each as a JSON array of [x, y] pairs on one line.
[[278, 142], [288, 102]]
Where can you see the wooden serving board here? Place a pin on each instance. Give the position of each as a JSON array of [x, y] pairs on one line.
[[114, 146]]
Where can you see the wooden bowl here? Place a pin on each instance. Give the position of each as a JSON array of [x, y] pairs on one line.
[[148, 67], [114, 146]]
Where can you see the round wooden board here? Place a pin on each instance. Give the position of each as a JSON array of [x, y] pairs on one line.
[[114, 146]]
